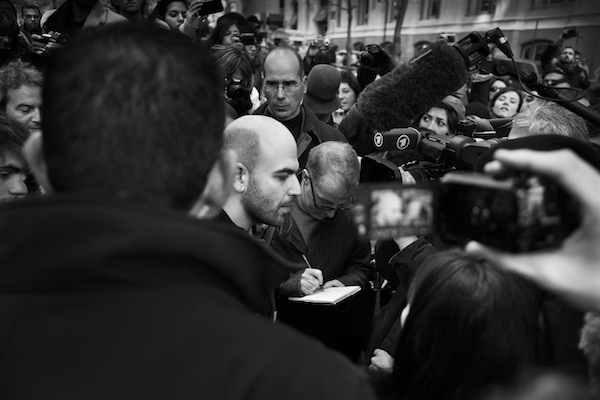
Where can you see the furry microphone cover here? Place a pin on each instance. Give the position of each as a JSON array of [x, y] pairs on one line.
[[408, 91]]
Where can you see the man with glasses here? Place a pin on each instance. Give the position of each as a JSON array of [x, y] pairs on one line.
[[284, 86], [320, 233]]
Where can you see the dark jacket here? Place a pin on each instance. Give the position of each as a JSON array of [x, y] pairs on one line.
[[335, 248], [120, 301], [315, 130]]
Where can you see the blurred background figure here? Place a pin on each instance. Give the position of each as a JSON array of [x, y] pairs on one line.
[[133, 10], [321, 91], [169, 13], [16, 180], [348, 93], [31, 15], [238, 73], [226, 33]]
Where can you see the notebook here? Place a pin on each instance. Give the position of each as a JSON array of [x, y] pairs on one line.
[[329, 296]]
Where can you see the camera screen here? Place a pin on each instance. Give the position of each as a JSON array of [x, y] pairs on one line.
[[390, 210]]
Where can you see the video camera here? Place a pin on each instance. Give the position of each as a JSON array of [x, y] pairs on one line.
[[446, 152], [519, 213]]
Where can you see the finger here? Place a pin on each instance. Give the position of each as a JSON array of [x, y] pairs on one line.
[[316, 273]]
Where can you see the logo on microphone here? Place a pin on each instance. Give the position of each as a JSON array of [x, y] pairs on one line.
[[378, 139], [403, 142]]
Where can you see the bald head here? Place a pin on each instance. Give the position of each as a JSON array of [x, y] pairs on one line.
[[255, 137], [265, 183]]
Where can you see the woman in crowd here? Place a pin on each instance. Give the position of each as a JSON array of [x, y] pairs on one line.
[[169, 13], [506, 103], [441, 119], [468, 326], [226, 33], [236, 67], [348, 94]]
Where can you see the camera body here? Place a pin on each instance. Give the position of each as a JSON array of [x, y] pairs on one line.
[[518, 213], [236, 90], [210, 7]]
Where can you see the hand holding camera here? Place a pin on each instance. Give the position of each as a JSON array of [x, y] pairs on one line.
[[572, 269]]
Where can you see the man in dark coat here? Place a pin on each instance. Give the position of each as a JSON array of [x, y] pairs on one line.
[[284, 85], [109, 289]]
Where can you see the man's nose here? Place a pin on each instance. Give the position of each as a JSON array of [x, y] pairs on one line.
[[36, 115], [294, 187], [18, 186], [330, 213]]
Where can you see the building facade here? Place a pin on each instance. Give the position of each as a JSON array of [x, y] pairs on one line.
[[529, 25]]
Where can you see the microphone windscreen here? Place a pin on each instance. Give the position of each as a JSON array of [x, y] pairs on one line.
[[410, 90]]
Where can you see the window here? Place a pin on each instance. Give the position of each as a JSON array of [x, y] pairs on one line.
[[481, 6], [362, 12], [430, 9], [392, 7], [533, 50]]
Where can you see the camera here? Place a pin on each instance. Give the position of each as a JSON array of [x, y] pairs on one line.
[[569, 33], [247, 39], [519, 213], [444, 152], [211, 7], [236, 90], [368, 57]]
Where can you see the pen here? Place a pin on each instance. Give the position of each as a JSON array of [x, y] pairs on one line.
[[310, 267], [306, 261]]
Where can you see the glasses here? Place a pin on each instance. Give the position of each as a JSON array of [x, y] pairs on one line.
[[343, 207], [494, 88], [287, 86]]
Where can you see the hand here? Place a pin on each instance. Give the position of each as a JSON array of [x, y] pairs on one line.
[[312, 279], [381, 361], [333, 283], [574, 269], [192, 16]]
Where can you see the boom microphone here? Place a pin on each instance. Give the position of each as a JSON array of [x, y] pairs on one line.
[[411, 89]]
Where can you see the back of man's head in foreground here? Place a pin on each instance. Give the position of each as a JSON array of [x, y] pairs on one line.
[[134, 112]]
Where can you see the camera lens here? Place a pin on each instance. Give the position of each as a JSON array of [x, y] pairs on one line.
[[367, 60], [237, 92]]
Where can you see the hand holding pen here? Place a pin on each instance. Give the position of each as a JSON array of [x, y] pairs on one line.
[[312, 279]]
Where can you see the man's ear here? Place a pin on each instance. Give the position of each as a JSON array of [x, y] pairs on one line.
[[241, 178], [218, 187], [33, 151]]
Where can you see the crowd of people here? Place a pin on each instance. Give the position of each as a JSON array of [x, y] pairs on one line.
[[167, 185]]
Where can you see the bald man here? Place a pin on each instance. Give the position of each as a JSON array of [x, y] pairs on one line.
[[284, 86], [265, 183]]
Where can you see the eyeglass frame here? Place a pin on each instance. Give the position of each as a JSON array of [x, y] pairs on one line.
[[286, 89], [344, 207]]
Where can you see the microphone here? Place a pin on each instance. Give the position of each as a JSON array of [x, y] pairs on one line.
[[497, 37], [397, 139], [409, 90]]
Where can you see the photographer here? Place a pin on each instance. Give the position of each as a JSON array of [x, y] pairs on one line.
[[565, 60], [373, 62], [238, 73]]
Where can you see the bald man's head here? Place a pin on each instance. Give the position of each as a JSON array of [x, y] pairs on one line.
[[251, 135], [265, 183]]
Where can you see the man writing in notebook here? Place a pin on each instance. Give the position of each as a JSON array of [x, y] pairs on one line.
[[320, 233]]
